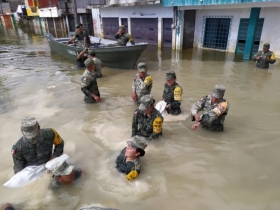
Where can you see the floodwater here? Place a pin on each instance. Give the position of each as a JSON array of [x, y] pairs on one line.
[[237, 169]]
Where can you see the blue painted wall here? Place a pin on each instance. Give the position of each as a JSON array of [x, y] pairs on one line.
[[168, 3]]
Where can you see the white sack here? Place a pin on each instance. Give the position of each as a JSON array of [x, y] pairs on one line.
[[31, 173], [26, 176], [160, 106]]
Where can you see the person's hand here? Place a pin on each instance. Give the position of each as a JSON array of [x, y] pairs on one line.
[[195, 126], [266, 58], [66, 43], [134, 96], [258, 58], [167, 106], [98, 99], [196, 117], [119, 32]]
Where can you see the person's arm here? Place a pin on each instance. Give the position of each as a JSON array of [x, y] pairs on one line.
[[71, 40], [134, 95], [85, 41], [208, 117], [256, 56], [81, 54], [196, 107], [58, 145], [157, 128], [271, 58], [135, 123], [85, 86], [178, 91], [19, 160], [85, 89], [130, 39], [117, 35]]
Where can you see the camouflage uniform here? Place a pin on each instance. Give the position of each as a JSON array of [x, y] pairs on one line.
[[98, 67], [80, 36], [209, 118], [28, 154], [172, 95], [262, 63], [131, 168], [127, 167], [124, 38], [147, 126], [89, 84], [142, 86], [81, 61]]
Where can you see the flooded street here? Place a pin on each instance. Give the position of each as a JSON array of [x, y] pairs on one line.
[[237, 169]]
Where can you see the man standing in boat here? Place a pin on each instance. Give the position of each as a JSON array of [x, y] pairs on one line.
[[89, 85], [123, 37], [82, 36]]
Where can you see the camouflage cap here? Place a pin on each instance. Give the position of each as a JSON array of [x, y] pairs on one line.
[[218, 91], [266, 45], [30, 127], [170, 75], [88, 62], [145, 102], [91, 52], [78, 26], [142, 67], [138, 142], [62, 168], [122, 27]]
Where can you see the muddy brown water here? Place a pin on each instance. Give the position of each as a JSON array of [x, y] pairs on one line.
[[237, 169]]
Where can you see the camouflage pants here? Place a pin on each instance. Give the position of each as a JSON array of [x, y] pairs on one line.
[[80, 43], [89, 100]]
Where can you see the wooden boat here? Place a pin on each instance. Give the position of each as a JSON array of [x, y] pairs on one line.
[[123, 57]]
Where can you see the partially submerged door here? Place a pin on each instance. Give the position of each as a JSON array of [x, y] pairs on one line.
[[145, 30]]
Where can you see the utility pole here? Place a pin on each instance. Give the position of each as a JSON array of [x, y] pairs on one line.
[[75, 12]]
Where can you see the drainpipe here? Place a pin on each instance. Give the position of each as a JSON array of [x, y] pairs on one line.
[[173, 26]]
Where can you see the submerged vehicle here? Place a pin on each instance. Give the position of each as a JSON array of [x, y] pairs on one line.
[[123, 57]]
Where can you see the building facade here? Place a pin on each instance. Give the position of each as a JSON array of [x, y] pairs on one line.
[[146, 20], [240, 26]]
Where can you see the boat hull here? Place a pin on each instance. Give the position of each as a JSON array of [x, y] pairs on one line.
[[123, 57]]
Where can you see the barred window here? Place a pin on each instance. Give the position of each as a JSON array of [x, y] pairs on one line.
[[216, 31]]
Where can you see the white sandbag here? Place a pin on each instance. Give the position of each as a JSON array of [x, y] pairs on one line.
[[25, 176], [51, 164], [31, 173], [160, 106]]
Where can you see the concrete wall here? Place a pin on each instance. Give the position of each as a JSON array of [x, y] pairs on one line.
[[143, 11], [271, 29], [269, 32]]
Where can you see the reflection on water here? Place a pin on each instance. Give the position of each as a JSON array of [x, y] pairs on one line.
[[236, 169]]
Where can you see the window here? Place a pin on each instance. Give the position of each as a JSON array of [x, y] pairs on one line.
[[216, 32]]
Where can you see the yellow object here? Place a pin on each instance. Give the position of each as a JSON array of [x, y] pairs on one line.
[[177, 94], [221, 108], [130, 38], [132, 175], [148, 80], [157, 125], [57, 139], [272, 57]]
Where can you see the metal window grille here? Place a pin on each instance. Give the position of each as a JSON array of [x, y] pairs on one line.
[[216, 31]]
